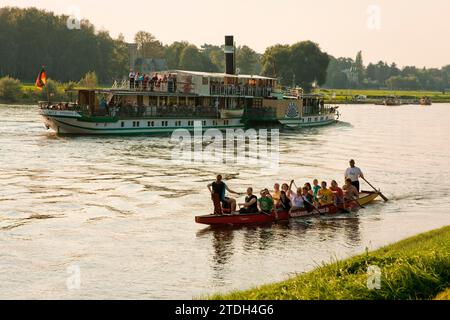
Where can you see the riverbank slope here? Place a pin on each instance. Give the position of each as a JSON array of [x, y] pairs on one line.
[[415, 268]]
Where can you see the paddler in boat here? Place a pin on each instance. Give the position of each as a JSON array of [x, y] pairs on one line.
[[354, 173], [284, 205], [296, 199], [325, 195], [316, 189], [218, 188], [251, 203], [276, 194], [350, 191], [338, 194], [308, 199], [265, 203]]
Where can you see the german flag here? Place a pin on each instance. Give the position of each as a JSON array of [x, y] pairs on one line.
[[41, 80]]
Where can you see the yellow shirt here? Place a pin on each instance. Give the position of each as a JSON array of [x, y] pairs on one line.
[[276, 196], [325, 196]]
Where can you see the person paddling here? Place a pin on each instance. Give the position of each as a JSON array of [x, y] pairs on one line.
[[325, 195], [354, 173], [251, 203], [265, 203], [350, 191], [218, 188], [338, 194]]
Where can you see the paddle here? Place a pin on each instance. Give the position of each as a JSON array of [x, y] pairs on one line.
[[377, 191], [357, 202]]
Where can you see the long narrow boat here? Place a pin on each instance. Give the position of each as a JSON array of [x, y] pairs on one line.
[[365, 197]]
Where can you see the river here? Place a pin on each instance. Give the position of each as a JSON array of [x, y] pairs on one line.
[[111, 218]]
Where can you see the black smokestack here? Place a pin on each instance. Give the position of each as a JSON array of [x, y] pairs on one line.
[[229, 55]]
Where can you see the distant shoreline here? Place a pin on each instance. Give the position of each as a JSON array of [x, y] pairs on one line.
[[332, 96]]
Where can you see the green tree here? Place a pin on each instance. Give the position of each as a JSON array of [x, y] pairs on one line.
[[359, 65], [172, 54], [191, 59], [276, 63], [247, 60], [89, 80], [216, 55], [10, 89], [336, 77], [309, 64], [148, 46]]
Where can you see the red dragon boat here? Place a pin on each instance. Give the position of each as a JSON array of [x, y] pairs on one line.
[[365, 197]]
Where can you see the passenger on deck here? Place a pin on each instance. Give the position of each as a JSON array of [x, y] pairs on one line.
[[350, 191], [284, 205], [131, 77], [325, 195], [338, 194], [265, 203], [251, 203], [218, 188]]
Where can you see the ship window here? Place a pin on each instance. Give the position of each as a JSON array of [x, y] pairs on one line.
[[122, 124], [205, 81], [214, 123], [315, 119], [134, 123], [204, 123]]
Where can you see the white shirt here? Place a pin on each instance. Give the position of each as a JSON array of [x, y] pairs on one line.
[[297, 201], [353, 173]]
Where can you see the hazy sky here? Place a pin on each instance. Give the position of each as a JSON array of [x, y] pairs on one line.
[[409, 32]]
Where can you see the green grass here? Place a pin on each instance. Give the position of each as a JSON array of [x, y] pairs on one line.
[[415, 268], [444, 295], [346, 95]]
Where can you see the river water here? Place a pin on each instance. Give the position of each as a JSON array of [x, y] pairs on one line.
[[90, 217]]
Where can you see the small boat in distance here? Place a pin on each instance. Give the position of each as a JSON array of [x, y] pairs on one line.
[[366, 197], [425, 101], [390, 101]]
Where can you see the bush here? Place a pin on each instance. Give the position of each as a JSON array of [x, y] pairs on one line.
[[10, 89], [89, 80]]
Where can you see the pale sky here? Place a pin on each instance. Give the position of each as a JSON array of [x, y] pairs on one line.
[[408, 32]]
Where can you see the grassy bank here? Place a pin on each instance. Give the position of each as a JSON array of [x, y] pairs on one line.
[[415, 268], [347, 95]]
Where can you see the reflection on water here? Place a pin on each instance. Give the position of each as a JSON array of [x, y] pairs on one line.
[[118, 209]]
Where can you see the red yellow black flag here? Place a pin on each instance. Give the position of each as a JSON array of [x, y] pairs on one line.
[[41, 80]]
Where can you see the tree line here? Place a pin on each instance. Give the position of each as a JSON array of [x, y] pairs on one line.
[[347, 73], [30, 38]]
